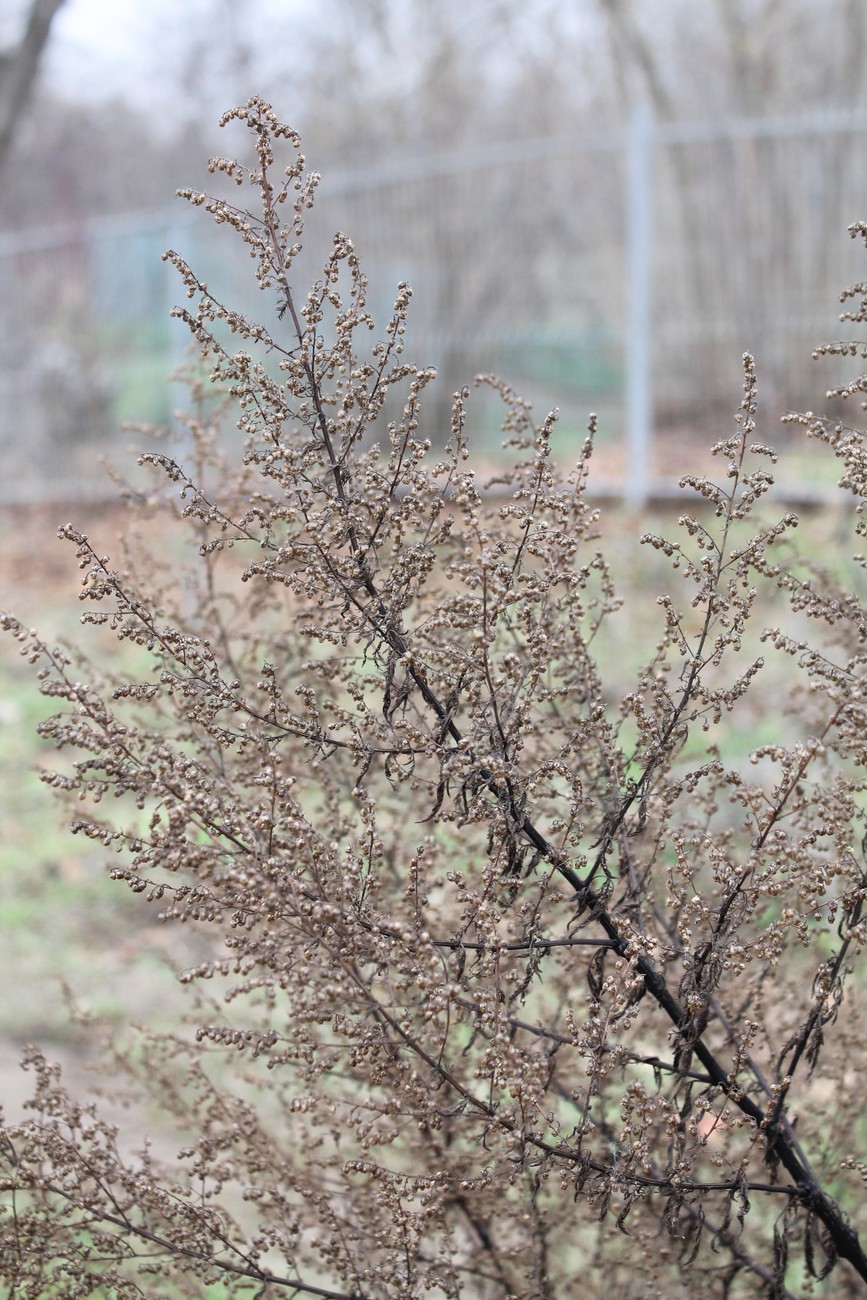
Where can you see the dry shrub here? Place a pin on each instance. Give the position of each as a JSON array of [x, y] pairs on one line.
[[519, 978]]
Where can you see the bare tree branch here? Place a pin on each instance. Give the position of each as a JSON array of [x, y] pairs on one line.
[[18, 69]]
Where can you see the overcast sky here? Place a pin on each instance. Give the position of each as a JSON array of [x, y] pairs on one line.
[[149, 52], [99, 51], [139, 50]]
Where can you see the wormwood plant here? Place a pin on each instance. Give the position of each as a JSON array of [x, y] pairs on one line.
[[516, 984]]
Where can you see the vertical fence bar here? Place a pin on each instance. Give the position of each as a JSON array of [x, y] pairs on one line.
[[639, 225]]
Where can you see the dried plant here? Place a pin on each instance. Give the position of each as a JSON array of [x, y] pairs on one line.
[[521, 979]]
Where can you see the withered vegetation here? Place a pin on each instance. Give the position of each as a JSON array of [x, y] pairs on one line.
[[519, 978]]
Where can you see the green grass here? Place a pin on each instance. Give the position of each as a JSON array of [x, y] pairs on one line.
[[62, 920]]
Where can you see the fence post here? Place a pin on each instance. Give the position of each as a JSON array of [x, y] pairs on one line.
[[639, 225]]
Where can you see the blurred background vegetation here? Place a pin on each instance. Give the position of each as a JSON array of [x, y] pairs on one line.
[[485, 150]]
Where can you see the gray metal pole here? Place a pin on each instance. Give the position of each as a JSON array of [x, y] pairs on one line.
[[639, 223]]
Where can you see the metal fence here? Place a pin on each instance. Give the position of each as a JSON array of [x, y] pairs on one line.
[[624, 273]]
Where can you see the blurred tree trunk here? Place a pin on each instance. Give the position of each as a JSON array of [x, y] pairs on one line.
[[18, 68]]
